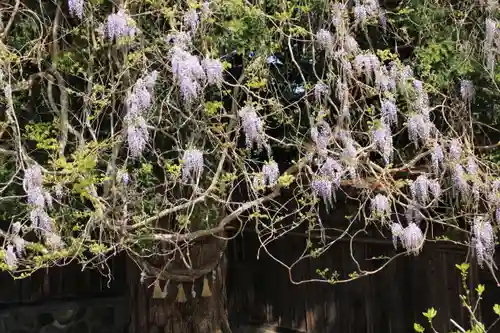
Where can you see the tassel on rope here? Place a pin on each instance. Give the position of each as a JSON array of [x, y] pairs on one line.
[[164, 293], [206, 288], [157, 290], [193, 292], [181, 295]]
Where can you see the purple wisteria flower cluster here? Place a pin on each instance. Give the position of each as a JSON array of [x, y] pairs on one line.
[[38, 198], [467, 90], [75, 8], [413, 214], [214, 70], [320, 90], [380, 207], [365, 9], [40, 201], [437, 158], [339, 14], [491, 43], [420, 127], [138, 102], [192, 164], [321, 135], [387, 77], [382, 139], [367, 64], [349, 153], [325, 40], [118, 25], [10, 257], [192, 20], [422, 188], [396, 231], [483, 240], [323, 188], [253, 127], [17, 241], [123, 177], [411, 237], [189, 72], [268, 177], [14, 251], [328, 179], [332, 170], [494, 198], [389, 111], [270, 173]]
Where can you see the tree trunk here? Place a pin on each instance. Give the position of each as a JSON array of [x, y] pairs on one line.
[[151, 313]]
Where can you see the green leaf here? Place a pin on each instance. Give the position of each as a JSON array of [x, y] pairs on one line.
[[418, 328], [463, 267], [480, 289], [431, 313], [496, 308]]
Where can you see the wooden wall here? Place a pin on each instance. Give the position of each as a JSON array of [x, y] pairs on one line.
[[63, 283], [259, 291]]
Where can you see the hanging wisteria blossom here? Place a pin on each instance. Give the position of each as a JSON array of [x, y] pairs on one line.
[[37, 197], [360, 15], [412, 238], [323, 188], [437, 157], [420, 189], [419, 129], [460, 179], [435, 188], [383, 81], [252, 127], [389, 111], [192, 20], [380, 206], [187, 71], [467, 90], [119, 25], [137, 136], [10, 256], [270, 172], [483, 240], [138, 103], [76, 8], [367, 64], [214, 70], [16, 228], [455, 149], [413, 214], [382, 138], [351, 46], [422, 99], [192, 164], [325, 39], [397, 232], [332, 169], [320, 90], [321, 135], [471, 166]]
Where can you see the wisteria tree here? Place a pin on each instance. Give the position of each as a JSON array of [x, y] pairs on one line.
[[153, 127]]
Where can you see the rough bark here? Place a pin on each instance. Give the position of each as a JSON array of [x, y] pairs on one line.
[[196, 315]]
